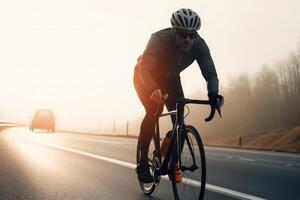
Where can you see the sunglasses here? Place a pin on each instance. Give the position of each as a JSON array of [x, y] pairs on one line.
[[184, 35]]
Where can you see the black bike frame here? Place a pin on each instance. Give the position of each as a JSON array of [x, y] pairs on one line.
[[177, 135]]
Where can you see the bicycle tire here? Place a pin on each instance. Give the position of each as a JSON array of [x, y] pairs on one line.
[[147, 188], [194, 180]]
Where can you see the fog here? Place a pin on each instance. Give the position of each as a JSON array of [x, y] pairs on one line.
[[77, 58]]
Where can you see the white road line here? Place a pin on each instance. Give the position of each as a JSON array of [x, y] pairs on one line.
[[290, 165], [247, 159], [232, 193], [210, 187], [253, 152], [92, 140]]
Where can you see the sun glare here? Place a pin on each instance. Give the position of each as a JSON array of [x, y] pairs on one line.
[[26, 144]]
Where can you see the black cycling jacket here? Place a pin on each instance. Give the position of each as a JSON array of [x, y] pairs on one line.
[[162, 61]]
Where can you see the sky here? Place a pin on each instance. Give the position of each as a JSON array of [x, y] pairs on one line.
[[77, 57]]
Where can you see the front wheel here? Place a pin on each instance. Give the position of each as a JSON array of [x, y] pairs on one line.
[[192, 169]]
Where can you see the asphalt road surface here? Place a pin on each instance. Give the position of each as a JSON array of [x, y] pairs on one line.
[[39, 165]]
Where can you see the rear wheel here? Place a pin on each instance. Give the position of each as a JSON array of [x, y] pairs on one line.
[[193, 168], [147, 188]]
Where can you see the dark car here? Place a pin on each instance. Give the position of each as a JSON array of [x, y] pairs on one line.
[[43, 119]]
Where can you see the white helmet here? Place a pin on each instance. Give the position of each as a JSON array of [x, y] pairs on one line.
[[185, 19]]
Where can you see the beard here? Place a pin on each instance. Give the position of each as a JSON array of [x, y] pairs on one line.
[[186, 47]]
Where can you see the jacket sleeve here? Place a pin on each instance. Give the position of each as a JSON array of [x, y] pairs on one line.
[[149, 61], [206, 65]]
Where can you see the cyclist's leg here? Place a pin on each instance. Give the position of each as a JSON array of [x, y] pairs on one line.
[[147, 128], [146, 133]]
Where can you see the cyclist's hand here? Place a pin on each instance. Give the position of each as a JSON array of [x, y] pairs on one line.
[[213, 99], [157, 96], [216, 101]]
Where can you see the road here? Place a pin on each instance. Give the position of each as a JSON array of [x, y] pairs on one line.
[[74, 166]]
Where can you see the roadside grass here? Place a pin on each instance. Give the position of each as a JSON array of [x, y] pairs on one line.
[[285, 139]]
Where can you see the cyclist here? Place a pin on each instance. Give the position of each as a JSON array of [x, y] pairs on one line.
[[168, 52]]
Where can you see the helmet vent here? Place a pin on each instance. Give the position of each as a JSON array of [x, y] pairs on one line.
[[198, 24], [191, 22], [186, 22], [181, 20]]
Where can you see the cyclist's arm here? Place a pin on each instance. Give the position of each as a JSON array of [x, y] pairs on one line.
[[206, 65], [148, 62]]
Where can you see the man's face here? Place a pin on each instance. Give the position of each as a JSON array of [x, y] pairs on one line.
[[185, 40]]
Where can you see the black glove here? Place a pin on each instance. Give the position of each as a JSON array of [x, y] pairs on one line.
[[213, 99], [216, 101]]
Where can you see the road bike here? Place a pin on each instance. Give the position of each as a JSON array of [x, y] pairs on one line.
[[185, 153]]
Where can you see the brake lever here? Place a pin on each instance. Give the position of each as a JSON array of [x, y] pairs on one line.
[[213, 110], [219, 111], [221, 99], [211, 115]]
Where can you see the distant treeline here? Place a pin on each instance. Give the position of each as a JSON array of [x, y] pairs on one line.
[[268, 100]]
